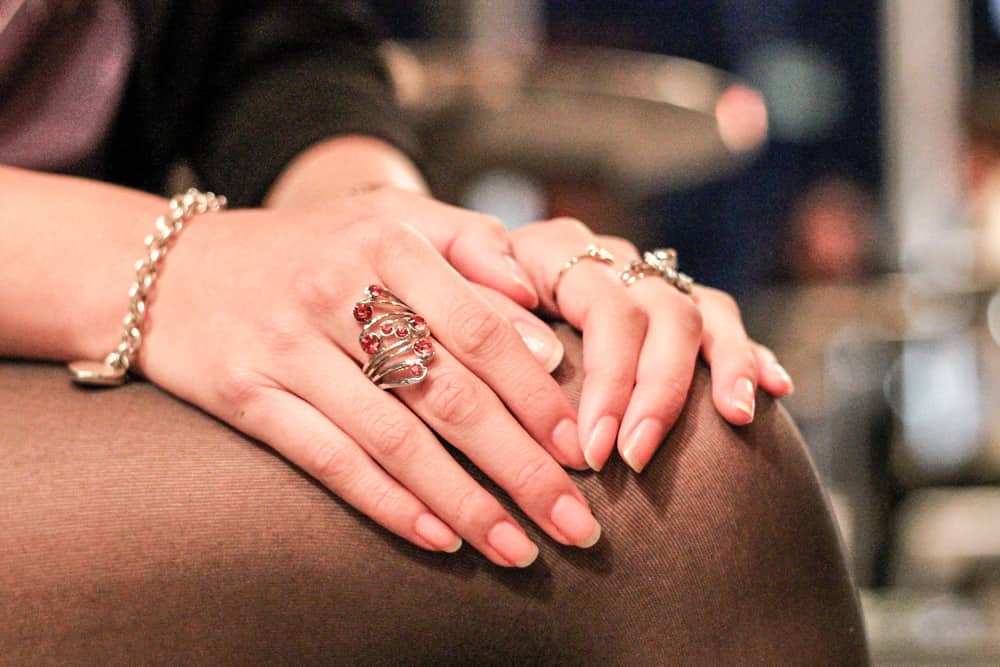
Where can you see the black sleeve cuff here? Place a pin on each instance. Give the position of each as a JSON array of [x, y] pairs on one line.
[[282, 110]]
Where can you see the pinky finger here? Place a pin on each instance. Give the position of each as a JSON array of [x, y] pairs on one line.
[[773, 377], [309, 440]]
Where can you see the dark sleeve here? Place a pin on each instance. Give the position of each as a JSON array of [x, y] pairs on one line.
[[237, 89]]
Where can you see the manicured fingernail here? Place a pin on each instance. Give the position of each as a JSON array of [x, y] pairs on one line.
[[601, 442], [743, 397], [780, 370], [542, 343], [575, 522], [642, 443], [435, 532], [566, 438], [518, 275], [512, 544]]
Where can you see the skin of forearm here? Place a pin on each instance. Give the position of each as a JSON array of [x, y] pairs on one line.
[[339, 167], [67, 250]]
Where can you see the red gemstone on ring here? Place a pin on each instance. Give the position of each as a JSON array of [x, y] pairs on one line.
[[402, 331], [370, 343], [386, 328], [423, 347], [362, 312], [418, 323], [417, 369], [376, 290]]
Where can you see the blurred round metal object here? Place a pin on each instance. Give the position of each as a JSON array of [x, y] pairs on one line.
[[635, 121]]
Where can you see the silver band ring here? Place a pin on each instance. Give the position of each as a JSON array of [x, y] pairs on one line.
[[592, 251], [396, 339], [660, 262]]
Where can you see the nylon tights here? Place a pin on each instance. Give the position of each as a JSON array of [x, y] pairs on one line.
[[134, 529]]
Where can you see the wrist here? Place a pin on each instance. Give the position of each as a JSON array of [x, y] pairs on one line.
[[112, 367]]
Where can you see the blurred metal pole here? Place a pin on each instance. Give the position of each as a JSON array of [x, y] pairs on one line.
[[923, 76]]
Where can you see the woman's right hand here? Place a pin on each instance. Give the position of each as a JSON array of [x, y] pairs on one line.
[[251, 319]]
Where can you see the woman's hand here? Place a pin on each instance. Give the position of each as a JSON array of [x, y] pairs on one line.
[[252, 320], [641, 342]]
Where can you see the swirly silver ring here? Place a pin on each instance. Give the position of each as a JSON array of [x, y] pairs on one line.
[[396, 339], [660, 262]]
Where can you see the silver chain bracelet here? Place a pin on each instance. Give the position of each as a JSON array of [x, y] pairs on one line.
[[114, 369]]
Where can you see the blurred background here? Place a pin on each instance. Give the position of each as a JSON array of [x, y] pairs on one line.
[[836, 166]]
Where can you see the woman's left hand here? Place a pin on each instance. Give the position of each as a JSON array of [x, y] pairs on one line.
[[641, 342]]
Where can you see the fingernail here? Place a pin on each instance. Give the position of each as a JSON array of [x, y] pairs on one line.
[[601, 442], [566, 438], [518, 275], [435, 532], [575, 522], [512, 544], [642, 443], [542, 343], [780, 370], [743, 397]]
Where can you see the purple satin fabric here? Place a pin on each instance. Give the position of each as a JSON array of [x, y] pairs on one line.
[[63, 69]]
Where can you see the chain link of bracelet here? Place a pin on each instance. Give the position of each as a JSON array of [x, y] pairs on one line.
[[113, 370]]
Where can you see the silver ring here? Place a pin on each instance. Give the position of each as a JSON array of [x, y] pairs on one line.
[[592, 251], [396, 339], [660, 262]]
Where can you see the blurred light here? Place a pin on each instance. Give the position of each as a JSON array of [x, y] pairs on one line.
[[948, 622], [741, 116], [993, 317], [513, 197], [806, 92], [995, 15], [939, 402]]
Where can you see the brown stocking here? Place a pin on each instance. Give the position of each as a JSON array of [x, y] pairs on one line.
[[136, 529]]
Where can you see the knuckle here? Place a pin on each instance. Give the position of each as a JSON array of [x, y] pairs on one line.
[[385, 501], [614, 373], [539, 397], [493, 225], [632, 312], [626, 310], [750, 363], [725, 301], [571, 225], [391, 437], [477, 329], [238, 389], [469, 507], [400, 243], [316, 291], [376, 204], [618, 376], [282, 334], [691, 320], [331, 464], [529, 476], [620, 247], [451, 399], [675, 393], [766, 354]]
